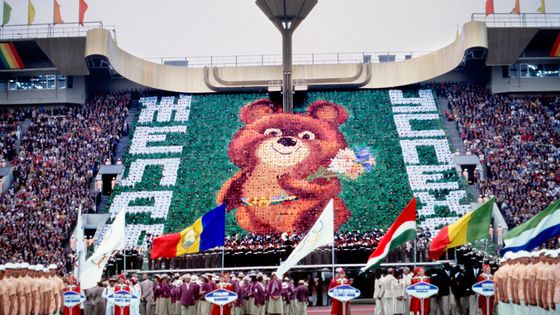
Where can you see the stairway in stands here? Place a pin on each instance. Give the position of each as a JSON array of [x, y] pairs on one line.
[[125, 140], [455, 138], [451, 127]]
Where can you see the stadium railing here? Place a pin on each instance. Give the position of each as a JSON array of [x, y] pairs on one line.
[[49, 30], [518, 20]]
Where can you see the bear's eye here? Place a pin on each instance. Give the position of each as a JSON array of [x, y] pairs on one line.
[[307, 135], [273, 132]]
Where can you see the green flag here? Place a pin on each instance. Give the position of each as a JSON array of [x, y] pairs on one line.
[[7, 13]]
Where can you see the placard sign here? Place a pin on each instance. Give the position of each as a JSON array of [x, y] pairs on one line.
[[73, 298], [344, 293], [121, 298], [221, 297], [485, 287], [422, 290]]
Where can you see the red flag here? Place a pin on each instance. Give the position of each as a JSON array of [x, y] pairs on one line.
[[517, 8], [57, 17], [489, 7], [83, 9]]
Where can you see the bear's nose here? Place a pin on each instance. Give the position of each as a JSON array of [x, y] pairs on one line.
[[287, 142]]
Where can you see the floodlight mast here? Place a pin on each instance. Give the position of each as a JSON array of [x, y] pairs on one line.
[[286, 15]]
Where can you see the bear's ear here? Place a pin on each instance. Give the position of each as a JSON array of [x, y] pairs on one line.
[[327, 111], [257, 109]]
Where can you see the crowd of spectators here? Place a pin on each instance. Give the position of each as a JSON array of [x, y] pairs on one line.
[[515, 139], [53, 170], [10, 132]]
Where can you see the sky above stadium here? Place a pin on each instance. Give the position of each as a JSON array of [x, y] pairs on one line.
[[176, 28]]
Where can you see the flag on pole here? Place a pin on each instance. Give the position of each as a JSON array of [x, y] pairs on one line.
[[472, 226], [542, 7], [30, 12], [113, 239], [207, 232], [7, 13], [321, 234], [536, 231], [82, 11], [489, 7], [517, 8], [80, 248], [401, 231], [57, 17]]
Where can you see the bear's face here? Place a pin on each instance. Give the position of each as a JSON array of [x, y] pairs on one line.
[[282, 142]]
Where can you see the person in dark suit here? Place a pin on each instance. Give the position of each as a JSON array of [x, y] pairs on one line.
[[472, 270], [440, 302], [458, 288]]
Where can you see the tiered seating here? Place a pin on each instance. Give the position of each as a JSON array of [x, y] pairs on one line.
[[59, 155], [514, 137]]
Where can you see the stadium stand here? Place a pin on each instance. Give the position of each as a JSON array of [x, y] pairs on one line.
[[515, 138], [59, 155]]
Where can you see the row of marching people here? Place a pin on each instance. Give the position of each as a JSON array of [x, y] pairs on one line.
[[30, 289], [529, 283], [256, 294]]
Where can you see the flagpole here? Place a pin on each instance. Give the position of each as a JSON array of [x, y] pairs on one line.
[[224, 245], [332, 254]]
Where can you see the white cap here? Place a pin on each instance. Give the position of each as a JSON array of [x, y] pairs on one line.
[[46, 270], [52, 266], [507, 255], [39, 267], [2, 267], [24, 265], [10, 266], [553, 254], [194, 278], [17, 266]]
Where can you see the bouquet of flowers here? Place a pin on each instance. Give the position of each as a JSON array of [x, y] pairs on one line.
[[347, 164]]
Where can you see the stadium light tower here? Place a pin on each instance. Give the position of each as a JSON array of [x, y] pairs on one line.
[[286, 15]]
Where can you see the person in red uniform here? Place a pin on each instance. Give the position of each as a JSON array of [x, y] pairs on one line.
[[225, 285], [416, 304], [485, 275], [72, 286], [122, 286], [339, 279]]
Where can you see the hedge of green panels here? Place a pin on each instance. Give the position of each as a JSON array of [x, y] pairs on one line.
[[375, 198]]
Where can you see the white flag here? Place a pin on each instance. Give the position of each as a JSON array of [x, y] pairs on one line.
[[114, 239], [80, 248], [321, 234]]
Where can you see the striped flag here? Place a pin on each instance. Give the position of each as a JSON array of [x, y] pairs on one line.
[[472, 226], [206, 232], [531, 234], [555, 51], [402, 231]]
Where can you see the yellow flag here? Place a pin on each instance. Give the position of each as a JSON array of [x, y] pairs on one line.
[[30, 13], [542, 7]]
